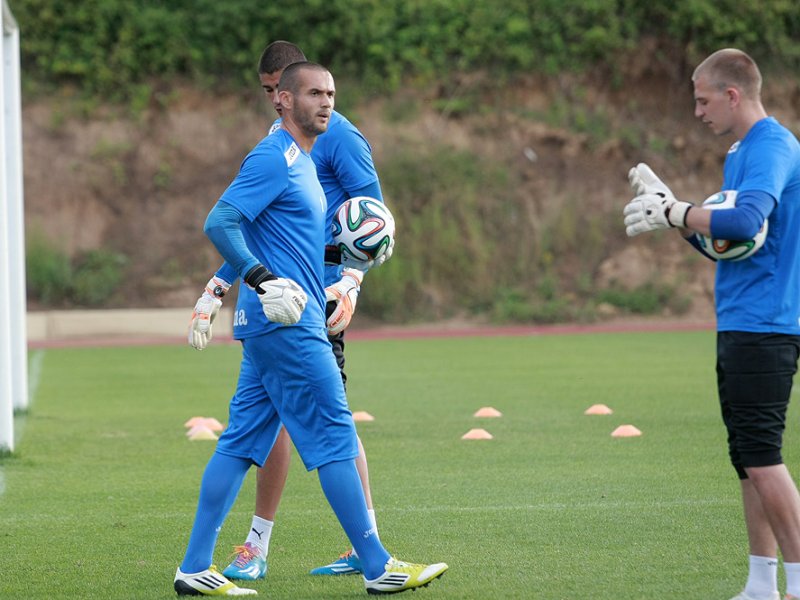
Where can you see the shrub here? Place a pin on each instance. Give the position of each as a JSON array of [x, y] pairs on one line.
[[97, 276], [111, 47], [55, 281], [48, 271]]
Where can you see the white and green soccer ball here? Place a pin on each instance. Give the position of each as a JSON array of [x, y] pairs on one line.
[[730, 249], [363, 228]]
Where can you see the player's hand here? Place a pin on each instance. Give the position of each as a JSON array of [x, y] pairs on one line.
[[644, 181], [365, 265], [205, 311], [344, 293], [282, 300], [649, 212]]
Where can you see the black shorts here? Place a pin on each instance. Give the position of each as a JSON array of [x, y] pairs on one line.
[[337, 342], [754, 379]]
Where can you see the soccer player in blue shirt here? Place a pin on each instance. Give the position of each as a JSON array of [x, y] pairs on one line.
[[270, 226], [345, 169], [757, 301]]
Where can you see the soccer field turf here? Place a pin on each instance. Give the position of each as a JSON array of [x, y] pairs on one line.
[[98, 500]]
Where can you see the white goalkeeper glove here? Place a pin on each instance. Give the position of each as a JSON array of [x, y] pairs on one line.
[[365, 265], [205, 311], [644, 181], [282, 300], [652, 211], [655, 206], [345, 294]]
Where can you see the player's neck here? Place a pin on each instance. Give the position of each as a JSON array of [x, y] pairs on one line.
[[303, 140], [750, 116]]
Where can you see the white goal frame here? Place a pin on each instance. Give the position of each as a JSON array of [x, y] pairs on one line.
[[13, 308]]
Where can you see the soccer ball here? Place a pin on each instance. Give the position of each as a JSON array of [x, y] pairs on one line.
[[363, 229], [728, 249]]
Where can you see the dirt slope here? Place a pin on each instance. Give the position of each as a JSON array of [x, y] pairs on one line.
[[143, 186]]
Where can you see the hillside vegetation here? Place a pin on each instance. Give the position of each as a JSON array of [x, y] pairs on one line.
[[502, 135]]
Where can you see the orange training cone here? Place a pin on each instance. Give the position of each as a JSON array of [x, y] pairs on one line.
[[194, 421], [477, 434], [598, 409], [626, 431], [487, 411], [201, 433], [213, 424]]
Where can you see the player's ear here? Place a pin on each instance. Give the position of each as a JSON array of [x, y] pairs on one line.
[[285, 98], [734, 96]]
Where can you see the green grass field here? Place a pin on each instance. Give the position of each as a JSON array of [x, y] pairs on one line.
[[99, 497]]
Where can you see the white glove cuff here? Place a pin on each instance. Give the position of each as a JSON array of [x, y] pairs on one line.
[[354, 275], [676, 214]]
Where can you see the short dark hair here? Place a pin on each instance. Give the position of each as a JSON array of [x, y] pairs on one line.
[[290, 78], [731, 67], [279, 55]]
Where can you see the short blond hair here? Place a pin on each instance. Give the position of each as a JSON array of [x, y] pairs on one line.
[[731, 68]]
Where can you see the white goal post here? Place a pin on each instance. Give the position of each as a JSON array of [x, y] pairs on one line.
[[13, 310]]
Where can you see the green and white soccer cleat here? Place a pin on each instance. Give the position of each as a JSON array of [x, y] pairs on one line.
[[207, 583], [248, 564], [346, 564], [400, 576]]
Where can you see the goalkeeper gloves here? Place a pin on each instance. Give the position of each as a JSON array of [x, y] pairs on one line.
[[644, 181], [282, 300], [344, 293], [655, 206], [205, 311]]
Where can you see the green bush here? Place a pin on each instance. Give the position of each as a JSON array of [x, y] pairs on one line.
[[48, 271], [647, 299], [97, 277], [53, 280], [113, 47], [448, 226]]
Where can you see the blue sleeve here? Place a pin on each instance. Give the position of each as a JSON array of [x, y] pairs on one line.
[[227, 273], [351, 157], [744, 221], [223, 229], [373, 190]]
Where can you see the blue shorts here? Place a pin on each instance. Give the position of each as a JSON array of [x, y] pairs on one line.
[[290, 376]]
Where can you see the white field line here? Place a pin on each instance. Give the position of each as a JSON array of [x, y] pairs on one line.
[[497, 508]]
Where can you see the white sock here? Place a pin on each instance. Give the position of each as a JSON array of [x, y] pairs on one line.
[[792, 571], [373, 522], [762, 581], [260, 532]]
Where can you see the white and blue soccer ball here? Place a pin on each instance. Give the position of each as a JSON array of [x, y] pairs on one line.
[[730, 249], [363, 229]]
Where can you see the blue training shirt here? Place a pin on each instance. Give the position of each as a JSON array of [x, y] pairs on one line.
[[761, 294], [284, 206], [343, 158], [344, 166]]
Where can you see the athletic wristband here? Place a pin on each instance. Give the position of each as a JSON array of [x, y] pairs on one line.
[[217, 287], [676, 214], [258, 275]]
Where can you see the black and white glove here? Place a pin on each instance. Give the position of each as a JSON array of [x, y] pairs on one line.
[[655, 206], [282, 300], [643, 180]]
